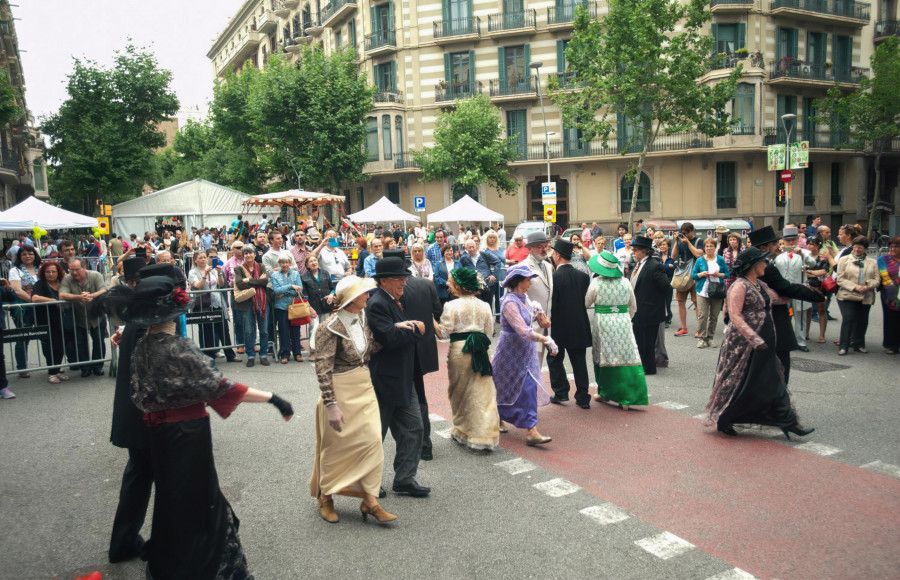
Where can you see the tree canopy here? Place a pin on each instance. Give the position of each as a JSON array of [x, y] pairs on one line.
[[103, 138], [469, 147], [637, 70], [10, 111], [869, 117]]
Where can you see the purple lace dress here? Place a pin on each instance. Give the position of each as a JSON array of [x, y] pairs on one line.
[[517, 370]]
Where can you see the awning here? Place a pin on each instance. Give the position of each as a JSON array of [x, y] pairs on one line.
[[661, 225], [34, 212], [293, 197], [734, 225], [466, 210], [382, 211]]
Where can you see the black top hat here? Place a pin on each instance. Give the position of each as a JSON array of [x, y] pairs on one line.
[[167, 270], [642, 243], [390, 268], [762, 236], [564, 248], [536, 238], [131, 268]]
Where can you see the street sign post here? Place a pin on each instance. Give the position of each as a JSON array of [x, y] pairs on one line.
[[550, 213], [103, 225], [548, 193], [787, 175], [419, 204]]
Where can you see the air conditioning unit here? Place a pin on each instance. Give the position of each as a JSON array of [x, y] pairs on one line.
[[805, 69]]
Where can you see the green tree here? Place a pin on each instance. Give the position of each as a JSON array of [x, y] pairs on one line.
[[469, 148], [10, 111], [869, 117], [640, 65], [103, 138]]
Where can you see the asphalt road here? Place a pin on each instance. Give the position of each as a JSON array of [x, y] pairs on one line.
[[611, 486]]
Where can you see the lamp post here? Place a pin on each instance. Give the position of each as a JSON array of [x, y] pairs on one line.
[[787, 162], [536, 65]]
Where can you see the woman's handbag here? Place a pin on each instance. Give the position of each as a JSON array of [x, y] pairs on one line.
[[715, 288], [242, 295], [682, 280], [829, 286], [299, 312]]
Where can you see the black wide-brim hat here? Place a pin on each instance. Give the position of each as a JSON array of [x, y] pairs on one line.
[[642, 243], [152, 270], [747, 259], [131, 268], [762, 236], [390, 268]]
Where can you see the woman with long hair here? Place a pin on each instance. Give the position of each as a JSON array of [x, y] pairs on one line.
[[255, 311], [22, 278], [419, 266], [46, 289]]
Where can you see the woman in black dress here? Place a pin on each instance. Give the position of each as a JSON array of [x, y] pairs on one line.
[[46, 289], [749, 387]]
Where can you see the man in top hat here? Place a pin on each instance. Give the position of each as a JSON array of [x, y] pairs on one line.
[[650, 283], [392, 369], [420, 302], [570, 329], [541, 290], [792, 263], [785, 341]]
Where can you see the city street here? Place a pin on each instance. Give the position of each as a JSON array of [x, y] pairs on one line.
[[645, 494]]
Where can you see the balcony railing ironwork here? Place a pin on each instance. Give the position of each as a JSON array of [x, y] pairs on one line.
[[334, 7], [843, 8], [714, 3], [512, 20], [405, 161], [9, 161], [537, 150], [818, 139], [565, 12], [507, 88], [457, 27], [381, 38], [797, 69], [743, 130], [452, 91], [885, 28], [389, 96]]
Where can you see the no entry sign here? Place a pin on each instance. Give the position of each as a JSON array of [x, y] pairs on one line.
[[787, 175]]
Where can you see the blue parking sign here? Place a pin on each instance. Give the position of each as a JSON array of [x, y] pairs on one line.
[[419, 203]]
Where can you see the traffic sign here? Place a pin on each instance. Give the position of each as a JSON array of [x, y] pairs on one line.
[[548, 193], [787, 175], [103, 225], [550, 213], [419, 203]]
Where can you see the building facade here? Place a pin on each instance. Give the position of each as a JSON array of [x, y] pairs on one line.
[[421, 57], [22, 169]]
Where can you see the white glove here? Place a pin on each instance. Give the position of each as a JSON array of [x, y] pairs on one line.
[[554, 350]]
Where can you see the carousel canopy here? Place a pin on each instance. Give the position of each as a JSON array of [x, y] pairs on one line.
[[293, 197], [382, 211]]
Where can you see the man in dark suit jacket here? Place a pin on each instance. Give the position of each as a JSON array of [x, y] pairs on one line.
[[485, 263], [651, 286], [785, 341], [569, 327], [392, 370]]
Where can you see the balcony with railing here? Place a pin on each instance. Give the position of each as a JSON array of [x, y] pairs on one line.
[[563, 14], [389, 97], [722, 6], [567, 81], [266, 22], [291, 4], [847, 12], [741, 129], [405, 161], [313, 25], [512, 89], [512, 23], [456, 30], [446, 92], [794, 72], [381, 42], [336, 10], [280, 9], [292, 45], [818, 139], [885, 29], [245, 49], [571, 147]]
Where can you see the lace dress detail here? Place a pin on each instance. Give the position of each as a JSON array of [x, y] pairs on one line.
[[467, 314]]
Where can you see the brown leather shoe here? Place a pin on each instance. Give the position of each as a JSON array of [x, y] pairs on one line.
[[326, 510], [376, 512]]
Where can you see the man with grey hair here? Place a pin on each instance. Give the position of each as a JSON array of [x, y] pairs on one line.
[[541, 290], [80, 287], [792, 263]]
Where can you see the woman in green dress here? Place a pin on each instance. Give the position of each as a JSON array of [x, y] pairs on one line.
[[617, 363]]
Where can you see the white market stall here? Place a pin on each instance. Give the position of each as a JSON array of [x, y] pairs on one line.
[[198, 203], [465, 210], [382, 211], [34, 212]]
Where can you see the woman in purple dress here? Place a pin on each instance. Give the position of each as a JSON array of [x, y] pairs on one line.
[[517, 370]]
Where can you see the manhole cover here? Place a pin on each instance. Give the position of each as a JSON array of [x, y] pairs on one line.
[[808, 365]]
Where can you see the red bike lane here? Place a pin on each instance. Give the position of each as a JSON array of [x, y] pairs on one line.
[[766, 508]]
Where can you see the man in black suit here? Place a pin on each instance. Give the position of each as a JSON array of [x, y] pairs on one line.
[[392, 370], [785, 341], [651, 287], [569, 327], [486, 264], [420, 302]]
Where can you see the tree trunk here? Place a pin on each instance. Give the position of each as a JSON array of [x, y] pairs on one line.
[[880, 147], [637, 178]]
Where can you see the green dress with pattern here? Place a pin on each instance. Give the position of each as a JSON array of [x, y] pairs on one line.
[[617, 363]]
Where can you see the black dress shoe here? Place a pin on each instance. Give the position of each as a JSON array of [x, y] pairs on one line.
[[412, 489], [804, 348], [584, 405], [558, 400], [135, 551], [727, 430], [85, 373], [382, 493], [98, 372], [264, 362]]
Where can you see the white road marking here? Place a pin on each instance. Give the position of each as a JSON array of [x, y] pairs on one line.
[[733, 574], [883, 468], [516, 466], [445, 433], [570, 376], [666, 545], [701, 416], [672, 405], [557, 487], [818, 449], [435, 417], [605, 514]]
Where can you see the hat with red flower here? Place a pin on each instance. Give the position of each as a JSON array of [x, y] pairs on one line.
[[155, 299]]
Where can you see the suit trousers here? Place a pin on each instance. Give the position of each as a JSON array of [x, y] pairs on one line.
[[661, 354], [406, 428], [419, 386], [645, 336], [854, 323], [134, 497], [560, 382]]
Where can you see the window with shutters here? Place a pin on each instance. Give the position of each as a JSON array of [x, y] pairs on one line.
[[836, 198], [457, 18], [514, 73], [386, 76], [627, 134], [517, 132], [393, 192], [398, 129], [351, 33], [382, 26], [461, 189], [459, 72], [372, 138], [809, 188], [338, 40], [843, 58], [743, 109], [786, 104], [786, 43], [386, 136], [816, 44], [726, 185], [565, 76], [809, 124], [729, 37], [642, 203]]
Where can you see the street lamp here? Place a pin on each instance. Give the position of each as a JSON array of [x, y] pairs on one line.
[[787, 162], [536, 65]]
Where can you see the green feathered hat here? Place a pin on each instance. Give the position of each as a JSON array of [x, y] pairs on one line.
[[468, 279]]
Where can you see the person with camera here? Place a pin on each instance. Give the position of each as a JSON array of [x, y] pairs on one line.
[[580, 254], [206, 276], [823, 261], [684, 252]]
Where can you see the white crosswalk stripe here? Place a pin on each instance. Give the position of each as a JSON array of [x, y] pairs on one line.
[[445, 433], [435, 417], [665, 545], [516, 466], [605, 514], [818, 449], [671, 405], [733, 574], [557, 487], [883, 468]]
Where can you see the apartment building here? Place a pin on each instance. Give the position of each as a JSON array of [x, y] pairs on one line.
[[22, 169], [423, 56]]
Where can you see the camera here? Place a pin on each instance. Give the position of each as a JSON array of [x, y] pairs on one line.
[[216, 262]]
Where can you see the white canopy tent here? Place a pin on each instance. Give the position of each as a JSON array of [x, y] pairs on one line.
[[382, 211], [465, 209], [34, 212], [199, 203]]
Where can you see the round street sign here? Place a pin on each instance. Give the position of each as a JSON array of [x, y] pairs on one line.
[[787, 175]]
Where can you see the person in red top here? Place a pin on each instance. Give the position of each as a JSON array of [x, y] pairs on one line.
[[517, 251]]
